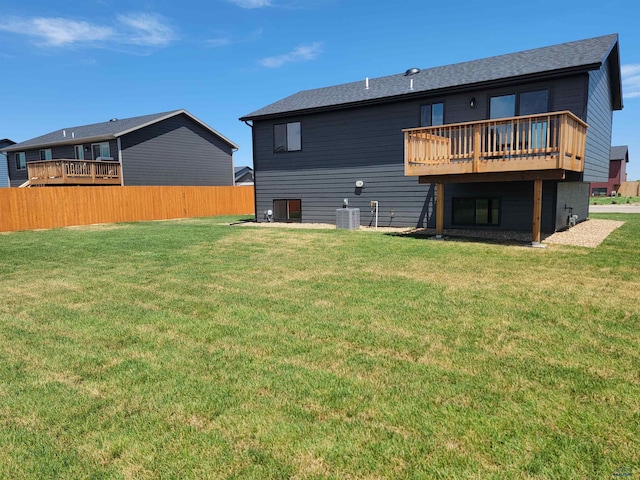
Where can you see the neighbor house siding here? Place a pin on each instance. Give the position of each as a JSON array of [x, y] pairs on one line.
[[599, 118], [4, 171], [176, 151], [366, 143]]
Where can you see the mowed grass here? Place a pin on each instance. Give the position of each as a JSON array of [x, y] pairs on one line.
[[192, 349]]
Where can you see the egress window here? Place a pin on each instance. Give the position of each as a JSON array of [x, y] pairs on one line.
[[287, 210], [287, 137]]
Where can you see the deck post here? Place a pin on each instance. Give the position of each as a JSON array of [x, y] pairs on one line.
[[439, 209], [537, 213], [476, 148]]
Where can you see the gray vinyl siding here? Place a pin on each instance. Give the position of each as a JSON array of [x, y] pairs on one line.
[[573, 198], [4, 171], [366, 143], [176, 151], [600, 120]]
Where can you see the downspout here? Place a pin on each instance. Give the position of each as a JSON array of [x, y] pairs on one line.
[[120, 160], [233, 167], [253, 153]]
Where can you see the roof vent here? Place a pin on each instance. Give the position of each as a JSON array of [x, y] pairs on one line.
[[113, 120], [411, 71]]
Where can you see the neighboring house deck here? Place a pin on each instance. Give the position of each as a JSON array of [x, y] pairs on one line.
[[618, 159], [507, 142], [169, 148]]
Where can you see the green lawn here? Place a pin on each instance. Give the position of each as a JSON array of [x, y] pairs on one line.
[[613, 200], [191, 349]]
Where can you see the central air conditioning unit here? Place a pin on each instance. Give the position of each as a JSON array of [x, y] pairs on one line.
[[348, 218]]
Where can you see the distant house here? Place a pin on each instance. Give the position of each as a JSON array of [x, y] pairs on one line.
[[169, 148], [4, 168], [618, 159], [244, 175], [508, 142]]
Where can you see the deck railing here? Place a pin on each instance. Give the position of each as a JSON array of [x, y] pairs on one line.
[[533, 142], [73, 172]]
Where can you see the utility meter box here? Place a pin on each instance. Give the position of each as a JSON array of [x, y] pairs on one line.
[[348, 218]]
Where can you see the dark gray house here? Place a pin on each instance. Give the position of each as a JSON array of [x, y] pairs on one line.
[[507, 142], [169, 148], [4, 167]]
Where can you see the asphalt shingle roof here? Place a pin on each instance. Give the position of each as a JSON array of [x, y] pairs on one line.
[[109, 129], [102, 129], [619, 152], [587, 54]]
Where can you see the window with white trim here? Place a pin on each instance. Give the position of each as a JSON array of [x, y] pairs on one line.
[[21, 160], [101, 151], [45, 154]]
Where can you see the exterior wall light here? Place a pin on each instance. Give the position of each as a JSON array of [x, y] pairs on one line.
[[472, 103]]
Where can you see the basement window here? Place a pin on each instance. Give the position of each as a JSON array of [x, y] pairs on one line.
[[287, 210], [475, 211], [287, 137]]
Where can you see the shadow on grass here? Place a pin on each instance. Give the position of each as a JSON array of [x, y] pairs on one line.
[[518, 239]]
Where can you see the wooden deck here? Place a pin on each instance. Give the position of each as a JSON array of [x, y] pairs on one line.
[[73, 172], [544, 142]]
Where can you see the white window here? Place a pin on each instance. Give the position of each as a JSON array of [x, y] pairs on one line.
[[79, 152], [21, 161], [101, 151], [45, 154]]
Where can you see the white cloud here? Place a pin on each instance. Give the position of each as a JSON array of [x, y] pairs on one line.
[[631, 80], [251, 3], [132, 29], [218, 42], [57, 32], [299, 54], [146, 29]]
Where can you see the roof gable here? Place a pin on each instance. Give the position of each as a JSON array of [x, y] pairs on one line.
[[582, 55], [113, 128], [620, 152]]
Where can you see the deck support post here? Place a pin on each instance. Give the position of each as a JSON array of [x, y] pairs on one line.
[[537, 213], [439, 209], [476, 148]]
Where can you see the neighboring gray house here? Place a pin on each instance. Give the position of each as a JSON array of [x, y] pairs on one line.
[[244, 175], [4, 167], [169, 148], [481, 128]]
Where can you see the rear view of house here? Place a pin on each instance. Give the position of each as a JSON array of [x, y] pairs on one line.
[[169, 148], [508, 142]]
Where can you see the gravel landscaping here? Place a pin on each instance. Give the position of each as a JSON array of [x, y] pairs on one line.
[[589, 233]]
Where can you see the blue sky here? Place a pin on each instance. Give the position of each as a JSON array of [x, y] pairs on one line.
[[69, 63]]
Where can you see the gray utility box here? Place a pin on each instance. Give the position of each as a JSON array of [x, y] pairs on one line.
[[348, 218]]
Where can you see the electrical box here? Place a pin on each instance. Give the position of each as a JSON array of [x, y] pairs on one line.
[[348, 218]]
